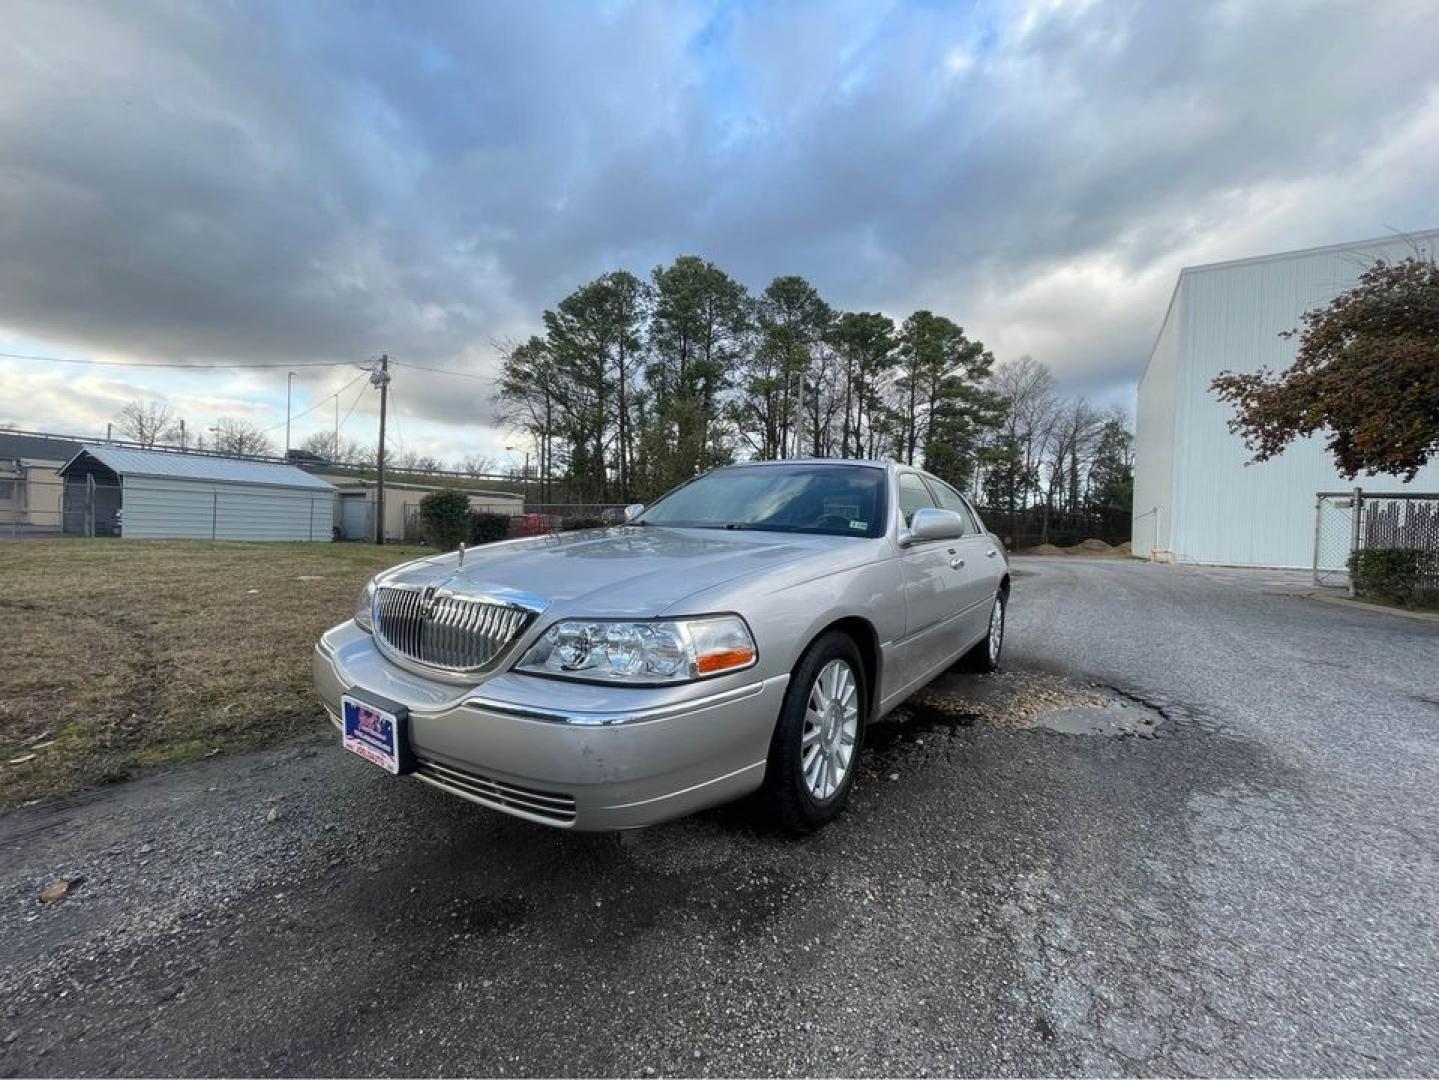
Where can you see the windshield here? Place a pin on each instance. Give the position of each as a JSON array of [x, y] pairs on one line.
[[836, 500]]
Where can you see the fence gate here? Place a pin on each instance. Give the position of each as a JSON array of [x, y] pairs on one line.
[[1336, 527]]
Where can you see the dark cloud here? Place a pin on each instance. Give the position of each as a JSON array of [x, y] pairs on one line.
[[275, 181]]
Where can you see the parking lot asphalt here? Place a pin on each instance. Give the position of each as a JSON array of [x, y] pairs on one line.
[[1245, 882]]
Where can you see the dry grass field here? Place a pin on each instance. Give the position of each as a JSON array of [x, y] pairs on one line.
[[119, 656]]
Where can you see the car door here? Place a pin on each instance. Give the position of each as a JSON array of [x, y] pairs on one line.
[[981, 567], [932, 574]]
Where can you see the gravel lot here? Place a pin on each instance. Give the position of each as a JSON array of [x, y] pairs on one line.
[[1235, 871]]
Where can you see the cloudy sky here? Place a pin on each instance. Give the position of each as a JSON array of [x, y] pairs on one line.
[[294, 183]]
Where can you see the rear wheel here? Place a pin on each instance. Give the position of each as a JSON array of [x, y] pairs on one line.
[[985, 655], [817, 740]]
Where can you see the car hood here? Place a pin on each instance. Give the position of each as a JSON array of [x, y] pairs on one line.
[[627, 571]]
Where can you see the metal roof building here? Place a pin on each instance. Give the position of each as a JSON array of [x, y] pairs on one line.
[[30, 446], [161, 494], [1196, 498]]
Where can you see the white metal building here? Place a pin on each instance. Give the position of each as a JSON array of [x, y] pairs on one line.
[[164, 494], [356, 518], [1196, 499]]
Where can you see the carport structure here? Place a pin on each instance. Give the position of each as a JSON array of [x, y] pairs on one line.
[[161, 494]]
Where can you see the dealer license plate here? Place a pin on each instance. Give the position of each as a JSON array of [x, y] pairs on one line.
[[372, 733]]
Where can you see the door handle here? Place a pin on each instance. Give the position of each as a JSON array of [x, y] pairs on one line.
[[991, 553], [955, 562]]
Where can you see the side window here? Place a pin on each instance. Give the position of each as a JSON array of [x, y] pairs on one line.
[[978, 522], [913, 495], [949, 499]]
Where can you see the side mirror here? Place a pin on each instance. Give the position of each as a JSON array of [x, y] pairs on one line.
[[932, 524], [633, 510]]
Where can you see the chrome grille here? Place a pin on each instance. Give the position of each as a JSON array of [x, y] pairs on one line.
[[441, 630], [526, 802]]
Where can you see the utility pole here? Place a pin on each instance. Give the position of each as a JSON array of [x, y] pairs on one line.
[[289, 385], [182, 433], [335, 447], [381, 378]]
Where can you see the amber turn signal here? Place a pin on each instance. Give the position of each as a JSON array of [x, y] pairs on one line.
[[723, 660]]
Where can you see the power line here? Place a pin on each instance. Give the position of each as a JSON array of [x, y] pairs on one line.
[[317, 404], [170, 363], [351, 411], [442, 371], [242, 365], [235, 365]]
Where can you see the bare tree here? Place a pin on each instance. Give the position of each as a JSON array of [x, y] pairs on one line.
[[1076, 431], [338, 449], [240, 438], [414, 461], [1028, 389], [146, 422], [478, 465]]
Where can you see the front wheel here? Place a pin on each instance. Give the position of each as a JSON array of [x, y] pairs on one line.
[[817, 740], [985, 655]]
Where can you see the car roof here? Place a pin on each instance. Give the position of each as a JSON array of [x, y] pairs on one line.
[[868, 463]]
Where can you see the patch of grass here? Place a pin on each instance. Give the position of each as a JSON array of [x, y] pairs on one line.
[[121, 656]]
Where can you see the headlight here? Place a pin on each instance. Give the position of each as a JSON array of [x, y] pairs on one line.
[[365, 607], [667, 651]]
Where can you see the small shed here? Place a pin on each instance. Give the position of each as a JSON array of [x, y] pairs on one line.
[[30, 484], [162, 494]]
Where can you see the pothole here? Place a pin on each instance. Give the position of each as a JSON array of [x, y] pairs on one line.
[[1116, 718], [1025, 699]]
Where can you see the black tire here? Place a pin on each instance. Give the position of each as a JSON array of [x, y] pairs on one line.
[[787, 797], [986, 655]]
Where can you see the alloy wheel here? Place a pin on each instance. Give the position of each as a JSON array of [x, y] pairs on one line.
[[996, 630], [831, 726]]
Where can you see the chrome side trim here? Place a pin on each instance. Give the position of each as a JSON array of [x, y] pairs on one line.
[[627, 716]]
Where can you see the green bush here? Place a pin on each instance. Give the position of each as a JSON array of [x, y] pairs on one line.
[[444, 519], [1396, 575], [486, 528], [570, 524]]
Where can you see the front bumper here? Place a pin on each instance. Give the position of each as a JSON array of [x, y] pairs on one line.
[[568, 755]]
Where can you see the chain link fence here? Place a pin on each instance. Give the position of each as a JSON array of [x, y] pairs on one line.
[[31, 508], [81, 507], [541, 518], [1350, 521], [1335, 524]]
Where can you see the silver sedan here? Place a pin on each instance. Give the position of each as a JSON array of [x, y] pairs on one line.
[[736, 635]]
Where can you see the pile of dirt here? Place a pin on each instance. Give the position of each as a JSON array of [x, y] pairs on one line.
[[1124, 549], [1091, 548], [1043, 549]]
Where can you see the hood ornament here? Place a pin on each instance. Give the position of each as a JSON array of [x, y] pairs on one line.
[[462, 556]]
